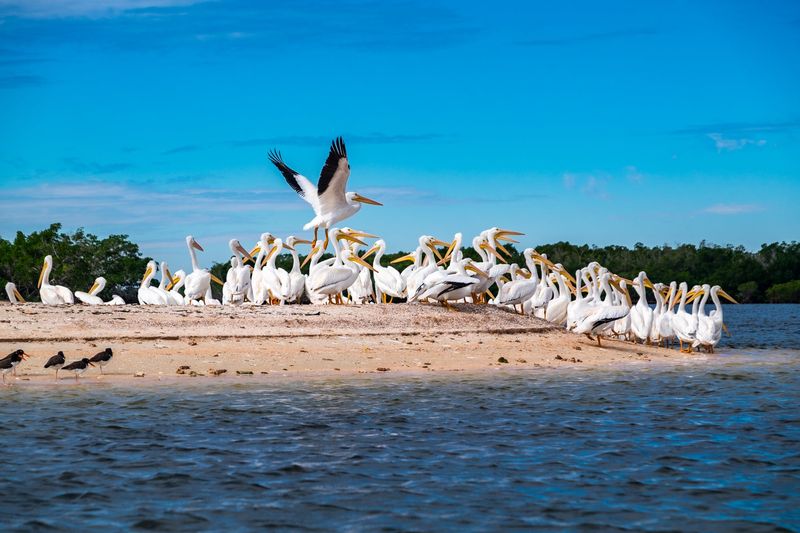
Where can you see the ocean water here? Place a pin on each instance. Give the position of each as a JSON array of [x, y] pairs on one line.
[[709, 447]]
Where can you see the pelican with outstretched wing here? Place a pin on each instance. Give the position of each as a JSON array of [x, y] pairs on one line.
[[330, 201]]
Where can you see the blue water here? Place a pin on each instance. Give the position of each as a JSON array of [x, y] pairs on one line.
[[698, 447]]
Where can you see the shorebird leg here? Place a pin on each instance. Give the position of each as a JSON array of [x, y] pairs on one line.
[[56, 374], [76, 377], [101, 369], [598, 341], [588, 336]]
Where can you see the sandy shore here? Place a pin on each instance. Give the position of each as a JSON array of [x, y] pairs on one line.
[[299, 341]]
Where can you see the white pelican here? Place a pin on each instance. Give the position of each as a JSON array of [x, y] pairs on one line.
[[150, 295], [293, 291], [417, 277], [518, 291], [622, 327], [13, 294], [333, 279], [328, 199], [197, 286], [166, 279], [237, 282], [641, 313], [313, 258], [262, 249], [709, 327], [91, 297], [52, 294], [362, 291], [664, 324], [388, 281], [600, 318], [274, 279], [178, 279], [655, 330], [451, 286], [556, 309], [684, 324]]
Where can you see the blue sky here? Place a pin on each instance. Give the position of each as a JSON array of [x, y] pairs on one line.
[[602, 123]]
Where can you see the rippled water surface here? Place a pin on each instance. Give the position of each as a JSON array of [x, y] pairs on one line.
[[706, 447]]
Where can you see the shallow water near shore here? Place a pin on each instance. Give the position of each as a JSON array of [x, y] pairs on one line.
[[707, 446]]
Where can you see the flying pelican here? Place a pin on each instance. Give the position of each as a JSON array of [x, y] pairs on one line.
[[52, 294], [13, 294], [197, 285], [388, 281], [328, 199]]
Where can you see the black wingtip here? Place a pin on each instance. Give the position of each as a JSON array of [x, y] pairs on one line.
[[338, 147]]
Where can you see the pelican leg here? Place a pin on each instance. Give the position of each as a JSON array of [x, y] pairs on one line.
[[314, 240], [330, 299], [325, 244]]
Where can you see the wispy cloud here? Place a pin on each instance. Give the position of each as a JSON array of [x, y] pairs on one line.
[[589, 37], [724, 144], [733, 209], [127, 204], [633, 174], [593, 185], [80, 8]]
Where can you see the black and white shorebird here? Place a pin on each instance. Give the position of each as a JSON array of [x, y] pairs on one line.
[[102, 358], [79, 367], [10, 362], [328, 198], [57, 362]]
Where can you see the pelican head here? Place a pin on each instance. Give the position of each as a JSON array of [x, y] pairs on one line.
[[354, 199], [192, 243]]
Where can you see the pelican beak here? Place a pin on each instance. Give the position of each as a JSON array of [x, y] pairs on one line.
[[287, 247], [544, 260], [370, 252], [18, 295], [167, 273], [364, 200], [648, 283], [147, 273], [361, 234], [504, 233], [216, 280], [494, 252], [564, 272], [91, 364], [503, 248], [172, 282], [41, 276], [478, 271], [409, 257], [313, 251], [270, 254], [727, 296], [252, 253], [351, 238], [301, 241], [196, 244], [439, 242], [356, 259], [93, 287], [244, 252], [692, 295]]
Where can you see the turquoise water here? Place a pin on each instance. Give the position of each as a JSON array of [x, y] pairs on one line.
[[711, 447]]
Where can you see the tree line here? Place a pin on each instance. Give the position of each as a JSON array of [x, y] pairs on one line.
[[770, 274]]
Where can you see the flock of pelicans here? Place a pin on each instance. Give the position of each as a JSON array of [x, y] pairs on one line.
[[594, 301]]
